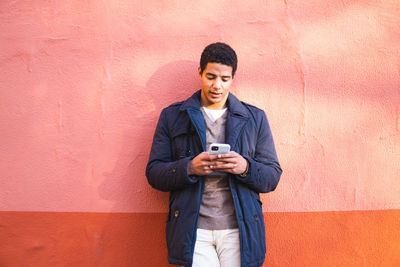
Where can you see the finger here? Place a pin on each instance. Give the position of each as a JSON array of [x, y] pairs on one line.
[[231, 154], [204, 161], [224, 166], [212, 157], [208, 170], [205, 165], [223, 156], [209, 166], [226, 160], [203, 156]]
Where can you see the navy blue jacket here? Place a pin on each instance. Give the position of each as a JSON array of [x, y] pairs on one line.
[[180, 136]]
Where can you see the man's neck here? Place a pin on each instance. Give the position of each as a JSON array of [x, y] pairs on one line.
[[214, 106]]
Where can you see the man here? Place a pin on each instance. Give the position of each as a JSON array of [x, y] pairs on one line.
[[215, 216]]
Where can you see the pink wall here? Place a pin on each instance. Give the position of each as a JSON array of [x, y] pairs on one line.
[[83, 82]]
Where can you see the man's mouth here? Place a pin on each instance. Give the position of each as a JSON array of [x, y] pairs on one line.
[[215, 95]]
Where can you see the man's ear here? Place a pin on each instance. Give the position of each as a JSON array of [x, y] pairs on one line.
[[199, 69]]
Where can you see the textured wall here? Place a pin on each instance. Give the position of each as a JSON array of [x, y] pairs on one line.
[[82, 85]]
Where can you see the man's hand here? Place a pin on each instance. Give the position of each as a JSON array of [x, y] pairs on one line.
[[231, 162], [200, 165], [205, 163]]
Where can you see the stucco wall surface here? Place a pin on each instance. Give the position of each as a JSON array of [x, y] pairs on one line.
[[82, 84]]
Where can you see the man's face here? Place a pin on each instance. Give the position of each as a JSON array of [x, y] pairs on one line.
[[216, 80]]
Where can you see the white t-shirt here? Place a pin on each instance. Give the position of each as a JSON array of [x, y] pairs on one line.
[[214, 114]]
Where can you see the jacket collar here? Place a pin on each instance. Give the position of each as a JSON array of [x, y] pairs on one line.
[[234, 105]]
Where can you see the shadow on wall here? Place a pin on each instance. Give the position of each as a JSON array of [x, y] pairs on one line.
[[173, 82], [138, 240]]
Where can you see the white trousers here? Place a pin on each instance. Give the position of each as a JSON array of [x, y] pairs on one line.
[[217, 248]]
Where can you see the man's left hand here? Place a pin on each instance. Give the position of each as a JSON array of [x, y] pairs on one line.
[[231, 162]]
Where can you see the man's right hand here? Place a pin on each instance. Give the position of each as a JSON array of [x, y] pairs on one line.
[[200, 165]]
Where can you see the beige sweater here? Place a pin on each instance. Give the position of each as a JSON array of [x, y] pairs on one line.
[[217, 211]]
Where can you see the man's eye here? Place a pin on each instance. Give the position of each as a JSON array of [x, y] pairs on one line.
[[225, 80], [210, 77]]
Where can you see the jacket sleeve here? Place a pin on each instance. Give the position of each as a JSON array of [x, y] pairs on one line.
[[162, 172], [264, 170]]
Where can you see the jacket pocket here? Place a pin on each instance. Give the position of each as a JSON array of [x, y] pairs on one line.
[[172, 198], [257, 202], [181, 139]]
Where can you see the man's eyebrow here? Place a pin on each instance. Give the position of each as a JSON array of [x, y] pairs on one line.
[[212, 74]]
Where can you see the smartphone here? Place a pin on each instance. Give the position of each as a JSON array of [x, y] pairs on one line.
[[219, 149]]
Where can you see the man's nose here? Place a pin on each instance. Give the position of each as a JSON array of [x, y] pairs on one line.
[[217, 83]]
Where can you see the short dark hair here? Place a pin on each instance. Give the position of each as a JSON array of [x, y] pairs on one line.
[[219, 53]]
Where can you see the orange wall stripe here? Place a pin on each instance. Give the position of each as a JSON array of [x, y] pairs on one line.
[[355, 238]]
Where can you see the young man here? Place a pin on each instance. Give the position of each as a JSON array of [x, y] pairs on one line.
[[215, 216]]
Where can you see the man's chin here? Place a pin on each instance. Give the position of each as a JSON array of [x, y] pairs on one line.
[[216, 101]]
